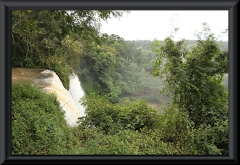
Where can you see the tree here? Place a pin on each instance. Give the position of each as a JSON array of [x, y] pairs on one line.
[[55, 39], [193, 78]]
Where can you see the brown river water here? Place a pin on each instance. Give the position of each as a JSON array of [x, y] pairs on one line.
[[49, 82]]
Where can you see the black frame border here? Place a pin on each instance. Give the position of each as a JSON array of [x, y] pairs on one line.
[[5, 75]]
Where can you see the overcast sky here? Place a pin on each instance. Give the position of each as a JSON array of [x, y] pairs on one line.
[[150, 24]]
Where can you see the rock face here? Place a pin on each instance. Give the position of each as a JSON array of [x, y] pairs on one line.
[[49, 82]]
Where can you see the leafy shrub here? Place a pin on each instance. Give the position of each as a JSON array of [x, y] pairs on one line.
[[113, 117], [188, 139], [126, 128], [38, 124], [126, 142]]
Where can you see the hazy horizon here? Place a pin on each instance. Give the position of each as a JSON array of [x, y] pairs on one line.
[[151, 24]]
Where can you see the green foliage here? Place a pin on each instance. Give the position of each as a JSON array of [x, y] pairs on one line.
[[113, 117], [54, 40], [38, 124], [90, 86], [203, 140], [194, 79], [133, 128], [126, 142], [127, 128], [195, 124], [118, 68]]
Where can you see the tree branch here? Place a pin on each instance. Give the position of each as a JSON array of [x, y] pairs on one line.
[[24, 18]]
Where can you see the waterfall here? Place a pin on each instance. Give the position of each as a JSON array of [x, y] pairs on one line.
[[49, 82], [69, 99], [76, 92]]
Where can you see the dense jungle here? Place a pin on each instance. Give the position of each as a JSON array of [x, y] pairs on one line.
[[160, 97]]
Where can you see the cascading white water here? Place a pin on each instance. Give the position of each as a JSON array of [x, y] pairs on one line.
[[76, 92], [49, 82], [69, 100]]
